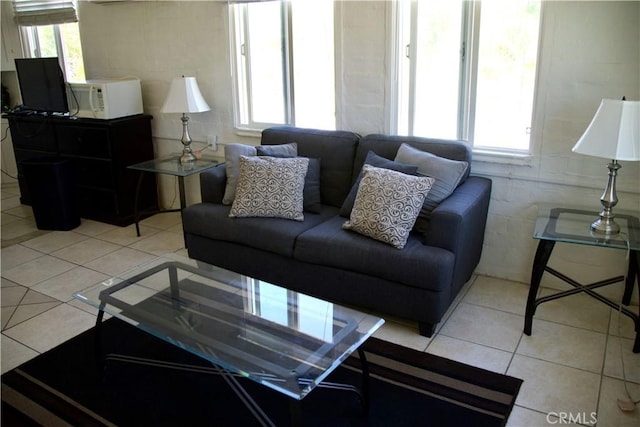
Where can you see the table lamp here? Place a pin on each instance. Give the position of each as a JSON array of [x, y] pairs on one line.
[[614, 133], [185, 97]]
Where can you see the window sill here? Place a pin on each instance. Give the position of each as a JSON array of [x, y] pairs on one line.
[[253, 133], [519, 159]]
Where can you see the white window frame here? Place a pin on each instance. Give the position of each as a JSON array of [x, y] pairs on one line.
[[241, 68], [29, 14], [31, 45], [32, 41], [467, 79], [295, 73]]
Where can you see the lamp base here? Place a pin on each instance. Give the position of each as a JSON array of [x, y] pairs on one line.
[[605, 225], [187, 156], [187, 152]]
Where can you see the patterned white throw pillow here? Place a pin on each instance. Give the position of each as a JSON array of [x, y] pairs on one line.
[[232, 153], [387, 205], [270, 187]]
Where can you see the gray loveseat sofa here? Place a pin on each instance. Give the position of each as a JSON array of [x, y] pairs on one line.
[[318, 257]]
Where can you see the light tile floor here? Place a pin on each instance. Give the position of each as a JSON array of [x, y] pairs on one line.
[[572, 364]]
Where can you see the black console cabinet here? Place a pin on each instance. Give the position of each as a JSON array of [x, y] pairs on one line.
[[100, 150]]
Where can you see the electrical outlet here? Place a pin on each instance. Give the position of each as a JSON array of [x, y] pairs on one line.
[[212, 140]]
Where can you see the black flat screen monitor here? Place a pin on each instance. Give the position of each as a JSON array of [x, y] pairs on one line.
[[42, 85]]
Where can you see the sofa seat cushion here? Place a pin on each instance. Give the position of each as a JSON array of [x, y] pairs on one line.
[[415, 265], [275, 235]]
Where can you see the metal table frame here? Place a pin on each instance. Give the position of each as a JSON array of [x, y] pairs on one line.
[[168, 166], [549, 235], [213, 347]]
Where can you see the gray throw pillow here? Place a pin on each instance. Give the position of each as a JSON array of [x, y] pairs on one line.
[[378, 161], [270, 187], [387, 205], [232, 153], [446, 172], [282, 150]]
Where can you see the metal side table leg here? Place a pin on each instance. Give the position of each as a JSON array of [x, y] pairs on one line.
[[136, 213], [632, 274], [365, 381], [543, 253], [98, 339]]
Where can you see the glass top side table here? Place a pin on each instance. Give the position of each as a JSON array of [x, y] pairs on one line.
[[169, 166], [573, 226], [172, 166]]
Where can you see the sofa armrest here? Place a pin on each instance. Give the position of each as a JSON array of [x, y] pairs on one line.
[[458, 225], [212, 184]]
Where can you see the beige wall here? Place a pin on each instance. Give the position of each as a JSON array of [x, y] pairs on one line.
[[590, 50]]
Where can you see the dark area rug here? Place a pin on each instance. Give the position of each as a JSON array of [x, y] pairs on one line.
[[408, 388]]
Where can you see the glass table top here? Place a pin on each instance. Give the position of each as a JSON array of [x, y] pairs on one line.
[[172, 166], [280, 338], [573, 225]]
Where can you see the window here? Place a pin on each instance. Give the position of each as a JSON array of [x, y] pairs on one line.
[[466, 70], [61, 40], [50, 29], [283, 63]]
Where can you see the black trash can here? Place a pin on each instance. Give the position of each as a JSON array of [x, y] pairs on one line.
[[53, 194]]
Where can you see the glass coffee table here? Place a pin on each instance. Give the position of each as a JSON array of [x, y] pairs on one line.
[[284, 340]]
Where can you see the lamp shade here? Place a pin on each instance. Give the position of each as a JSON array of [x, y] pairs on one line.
[[614, 132], [184, 97]]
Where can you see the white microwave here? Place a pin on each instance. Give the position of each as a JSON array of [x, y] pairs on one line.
[[105, 99]]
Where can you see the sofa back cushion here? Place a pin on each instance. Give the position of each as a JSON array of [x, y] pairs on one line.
[[387, 146], [336, 149]]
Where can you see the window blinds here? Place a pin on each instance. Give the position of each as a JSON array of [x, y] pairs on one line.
[[44, 12]]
